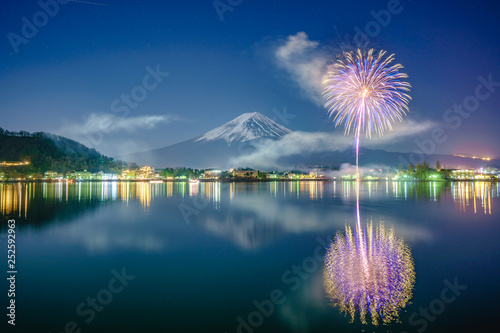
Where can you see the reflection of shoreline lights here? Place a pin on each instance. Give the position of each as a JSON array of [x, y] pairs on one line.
[[144, 194], [16, 197], [370, 271], [193, 189], [475, 191], [212, 192], [313, 188], [417, 190]]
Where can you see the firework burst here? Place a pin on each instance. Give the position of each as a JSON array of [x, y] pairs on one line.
[[370, 271], [365, 93]]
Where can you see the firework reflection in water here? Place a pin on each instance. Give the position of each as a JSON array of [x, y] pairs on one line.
[[371, 271]]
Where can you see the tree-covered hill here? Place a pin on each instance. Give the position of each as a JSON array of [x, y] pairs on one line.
[[47, 151]]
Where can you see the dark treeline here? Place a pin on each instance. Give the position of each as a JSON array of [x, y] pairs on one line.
[[424, 171], [51, 152], [181, 171]]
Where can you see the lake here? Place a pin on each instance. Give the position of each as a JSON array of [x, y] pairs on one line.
[[242, 257]]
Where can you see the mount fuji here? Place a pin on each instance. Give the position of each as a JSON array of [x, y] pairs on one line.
[[221, 146], [248, 126], [215, 148]]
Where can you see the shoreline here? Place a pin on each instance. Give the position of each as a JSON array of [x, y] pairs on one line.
[[160, 181]]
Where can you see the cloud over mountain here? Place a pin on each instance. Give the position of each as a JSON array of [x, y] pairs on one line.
[[305, 62], [267, 154]]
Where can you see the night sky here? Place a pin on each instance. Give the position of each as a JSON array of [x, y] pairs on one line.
[[262, 56]]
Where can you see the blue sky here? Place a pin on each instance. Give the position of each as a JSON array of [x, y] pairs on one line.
[[66, 76]]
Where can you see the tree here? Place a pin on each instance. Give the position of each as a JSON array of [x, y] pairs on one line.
[[411, 168], [419, 170]]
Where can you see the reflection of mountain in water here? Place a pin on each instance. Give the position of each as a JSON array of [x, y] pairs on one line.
[[249, 214], [261, 212], [244, 230]]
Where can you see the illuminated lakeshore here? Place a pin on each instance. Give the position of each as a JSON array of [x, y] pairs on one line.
[[467, 197]]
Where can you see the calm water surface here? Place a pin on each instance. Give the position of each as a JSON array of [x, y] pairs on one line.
[[211, 257]]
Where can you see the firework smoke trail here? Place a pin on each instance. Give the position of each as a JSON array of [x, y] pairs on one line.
[[366, 94]]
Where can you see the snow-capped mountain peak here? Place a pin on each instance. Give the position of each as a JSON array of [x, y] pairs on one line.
[[248, 126]]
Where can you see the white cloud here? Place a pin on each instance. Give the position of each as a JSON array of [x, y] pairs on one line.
[[269, 152], [296, 44], [107, 123], [305, 61], [111, 134]]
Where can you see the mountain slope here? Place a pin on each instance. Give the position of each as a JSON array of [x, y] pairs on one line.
[[215, 148], [47, 151], [248, 126], [219, 147]]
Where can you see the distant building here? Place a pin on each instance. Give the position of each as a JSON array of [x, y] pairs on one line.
[[53, 175], [106, 176], [272, 175], [145, 172], [80, 175], [463, 174], [312, 175], [212, 174], [245, 173], [128, 174], [50, 174]]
